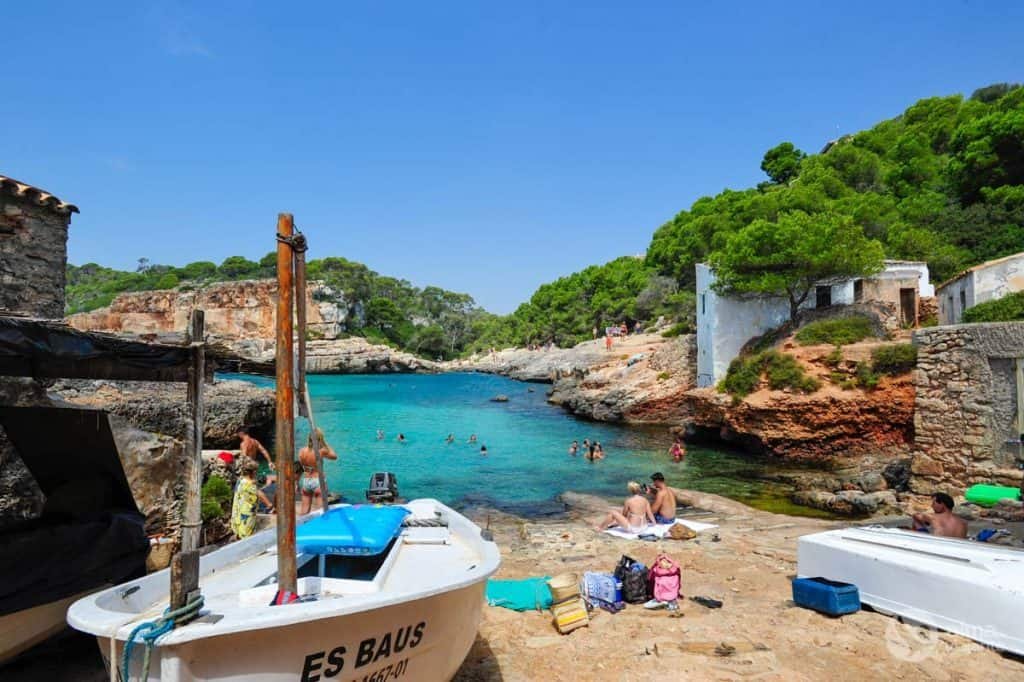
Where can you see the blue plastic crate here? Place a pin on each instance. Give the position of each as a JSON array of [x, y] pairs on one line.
[[826, 596]]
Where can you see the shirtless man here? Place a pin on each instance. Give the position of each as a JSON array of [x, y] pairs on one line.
[[254, 450], [664, 505], [635, 515], [309, 481], [942, 523]]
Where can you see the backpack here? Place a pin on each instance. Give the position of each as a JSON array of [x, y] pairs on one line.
[[665, 579], [634, 578]]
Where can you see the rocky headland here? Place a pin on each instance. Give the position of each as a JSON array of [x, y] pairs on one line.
[[239, 318]]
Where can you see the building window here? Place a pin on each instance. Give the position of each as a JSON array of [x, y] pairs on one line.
[[858, 291], [822, 297], [703, 304], [963, 300]]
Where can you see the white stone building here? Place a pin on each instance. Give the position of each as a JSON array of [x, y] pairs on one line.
[[726, 323], [985, 282]]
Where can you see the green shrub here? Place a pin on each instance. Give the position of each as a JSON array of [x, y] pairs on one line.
[[866, 378], [662, 376], [783, 371], [1005, 309], [215, 500], [678, 329], [894, 359], [838, 378], [930, 321], [835, 357], [837, 331]]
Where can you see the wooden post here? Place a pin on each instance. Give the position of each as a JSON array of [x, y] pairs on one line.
[[192, 515], [300, 317], [284, 441], [185, 565], [305, 405]]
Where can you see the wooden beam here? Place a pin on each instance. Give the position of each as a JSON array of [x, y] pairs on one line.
[[184, 577], [300, 318], [192, 521], [284, 442]]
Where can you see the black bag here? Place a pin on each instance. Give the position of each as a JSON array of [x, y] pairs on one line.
[[634, 580]]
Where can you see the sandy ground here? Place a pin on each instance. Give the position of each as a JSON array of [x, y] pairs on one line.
[[749, 569]]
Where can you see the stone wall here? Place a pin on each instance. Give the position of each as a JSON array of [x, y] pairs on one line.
[[33, 257], [965, 417]]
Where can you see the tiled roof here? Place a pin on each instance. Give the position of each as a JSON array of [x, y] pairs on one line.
[[979, 266], [35, 195]]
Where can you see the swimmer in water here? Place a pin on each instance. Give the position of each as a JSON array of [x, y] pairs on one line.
[[598, 451], [574, 448], [483, 450], [472, 438], [380, 434], [450, 439], [401, 438]]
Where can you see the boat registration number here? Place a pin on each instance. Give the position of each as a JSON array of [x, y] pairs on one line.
[[321, 665]]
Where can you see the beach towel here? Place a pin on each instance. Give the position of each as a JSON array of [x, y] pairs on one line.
[[519, 595], [658, 530]]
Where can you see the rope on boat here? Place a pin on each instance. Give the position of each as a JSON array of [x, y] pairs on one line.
[[150, 631]]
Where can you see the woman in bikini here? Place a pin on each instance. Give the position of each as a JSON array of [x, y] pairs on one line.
[[309, 481], [635, 515]]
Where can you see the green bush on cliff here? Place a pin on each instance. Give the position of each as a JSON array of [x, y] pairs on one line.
[[782, 370], [837, 331], [215, 498], [894, 359], [1005, 309]]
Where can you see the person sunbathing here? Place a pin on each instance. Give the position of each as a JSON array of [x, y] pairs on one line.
[[635, 515], [943, 522]]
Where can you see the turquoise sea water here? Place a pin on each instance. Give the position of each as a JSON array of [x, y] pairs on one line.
[[527, 440]]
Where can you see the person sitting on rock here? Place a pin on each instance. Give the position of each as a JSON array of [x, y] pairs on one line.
[[942, 522], [635, 515], [664, 505]]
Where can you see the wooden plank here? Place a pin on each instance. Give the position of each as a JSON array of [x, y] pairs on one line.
[[192, 522], [300, 318], [284, 441], [184, 577]]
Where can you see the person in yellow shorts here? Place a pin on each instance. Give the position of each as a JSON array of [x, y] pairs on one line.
[[243, 507]]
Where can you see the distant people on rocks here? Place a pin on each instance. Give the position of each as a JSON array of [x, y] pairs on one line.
[[636, 513], [595, 331], [664, 504], [309, 480], [247, 494], [574, 447], [942, 521], [254, 450], [608, 342]]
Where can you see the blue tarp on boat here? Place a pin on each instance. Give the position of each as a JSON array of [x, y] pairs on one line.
[[360, 530]]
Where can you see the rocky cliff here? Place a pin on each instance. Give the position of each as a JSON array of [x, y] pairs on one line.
[[642, 379], [240, 319]]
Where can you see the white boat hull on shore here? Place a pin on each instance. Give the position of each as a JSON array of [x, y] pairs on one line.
[[965, 587], [416, 620]]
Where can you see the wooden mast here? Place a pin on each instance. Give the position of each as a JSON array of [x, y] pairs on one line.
[[305, 404], [284, 436]]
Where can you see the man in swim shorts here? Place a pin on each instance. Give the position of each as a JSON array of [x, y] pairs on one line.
[[664, 505], [254, 450]]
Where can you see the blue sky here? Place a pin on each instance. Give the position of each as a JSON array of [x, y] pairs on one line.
[[481, 146]]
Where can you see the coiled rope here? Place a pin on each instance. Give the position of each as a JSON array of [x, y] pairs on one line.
[[150, 631]]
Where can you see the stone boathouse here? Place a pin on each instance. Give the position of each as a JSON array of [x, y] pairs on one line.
[[33, 250]]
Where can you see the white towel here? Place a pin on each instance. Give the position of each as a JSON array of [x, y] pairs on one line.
[[660, 529]]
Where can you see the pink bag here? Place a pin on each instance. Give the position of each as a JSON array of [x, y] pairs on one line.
[[666, 579]]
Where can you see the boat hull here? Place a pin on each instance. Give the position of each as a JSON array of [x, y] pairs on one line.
[[24, 629], [422, 640], [964, 587]]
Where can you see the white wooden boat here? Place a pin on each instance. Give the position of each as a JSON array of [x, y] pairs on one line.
[[961, 586], [413, 614]]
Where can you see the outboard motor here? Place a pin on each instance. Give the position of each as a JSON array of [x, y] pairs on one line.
[[383, 487]]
